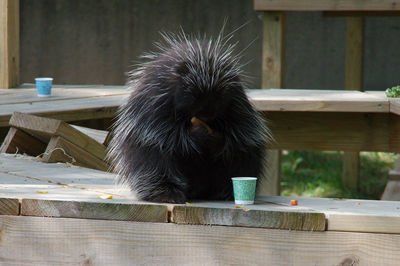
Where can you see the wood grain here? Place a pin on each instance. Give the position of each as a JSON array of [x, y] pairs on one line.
[[289, 100], [9, 206], [351, 169], [250, 218], [273, 50], [66, 110], [61, 150], [9, 43], [55, 241], [95, 210], [350, 215], [273, 71], [326, 5], [98, 135], [335, 131], [45, 128], [28, 93], [353, 81], [354, 53]]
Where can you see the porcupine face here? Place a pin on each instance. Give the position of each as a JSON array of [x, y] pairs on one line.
[[207, 80]]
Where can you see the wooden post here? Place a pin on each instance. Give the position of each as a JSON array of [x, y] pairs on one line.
[[353, 81], [273, 65], [9, 43]]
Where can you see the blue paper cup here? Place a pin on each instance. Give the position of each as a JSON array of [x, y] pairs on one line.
[[43, 86], [244, 189]]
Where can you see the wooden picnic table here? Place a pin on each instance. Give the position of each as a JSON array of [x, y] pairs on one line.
[[58, 213], [299, 119]]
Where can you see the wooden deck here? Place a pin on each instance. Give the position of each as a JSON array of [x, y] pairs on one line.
[[56, 213]]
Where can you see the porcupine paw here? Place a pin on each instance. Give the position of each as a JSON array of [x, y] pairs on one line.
[[168, 194]]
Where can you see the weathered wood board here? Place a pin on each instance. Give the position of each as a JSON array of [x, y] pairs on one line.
[[267, 216], [327, 5], [350, 214], [59, 241], [68, 103], [62, 150], [46, 128], [60, 190], [9, 43], [319, 101], [335, 131]]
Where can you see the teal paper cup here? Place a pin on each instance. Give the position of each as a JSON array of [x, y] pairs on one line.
[[244, 189], [43, 86]]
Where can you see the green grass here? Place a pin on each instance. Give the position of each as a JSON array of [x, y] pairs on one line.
[[319, 174]]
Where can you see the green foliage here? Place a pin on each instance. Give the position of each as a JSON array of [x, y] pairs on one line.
[[319, 174], [393, 92]]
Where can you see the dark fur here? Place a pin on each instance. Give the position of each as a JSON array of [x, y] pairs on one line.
[[155, 148]]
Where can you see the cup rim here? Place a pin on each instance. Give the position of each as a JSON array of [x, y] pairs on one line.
[[245, 178], [43, 79]]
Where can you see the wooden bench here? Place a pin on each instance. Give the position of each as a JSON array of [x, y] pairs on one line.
[[57, 213]]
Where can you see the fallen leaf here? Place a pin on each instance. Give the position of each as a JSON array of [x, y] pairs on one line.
[[42, 192], [239, 207]]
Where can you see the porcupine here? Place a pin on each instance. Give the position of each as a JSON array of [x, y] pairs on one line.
[[187, 126]]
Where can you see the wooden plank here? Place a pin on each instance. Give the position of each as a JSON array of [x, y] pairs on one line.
[[273, 71], [86, 184], [362, 13], [18, 141], [353, 81], [354, 53], [66, 110], [335, 131], [9, 43], [61, 150], [69, 192], [9, 206], [99, 135], [93, 210], [326, 5], [269, 183], [372, 216], [53, 241], [394, 105], [28, 94], [45, 128], [273, 53], [351, 169], [319, 101], [248, 217]]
